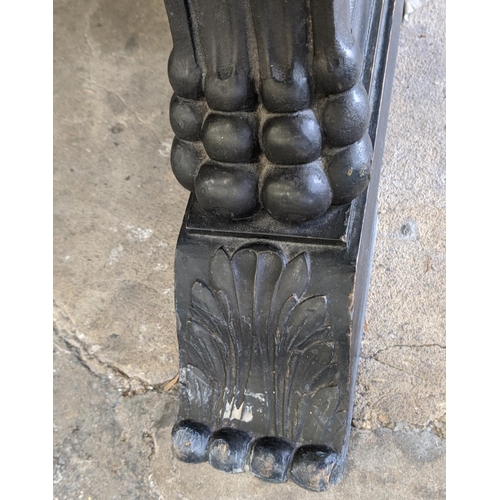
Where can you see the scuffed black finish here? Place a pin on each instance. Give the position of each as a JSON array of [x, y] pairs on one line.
[[279, 114], [228, 450], [270, 459], [190, 440], [313, 467]]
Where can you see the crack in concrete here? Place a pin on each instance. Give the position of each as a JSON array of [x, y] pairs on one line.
[[91, 51], [412, 346], [127, 385], [374, 356], [135, 114], [431, 426], [92, 55], [396, 368]]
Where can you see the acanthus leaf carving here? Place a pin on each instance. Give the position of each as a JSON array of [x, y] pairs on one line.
[[253, 324]]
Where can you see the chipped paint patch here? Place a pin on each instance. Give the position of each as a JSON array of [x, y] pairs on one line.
[[137, 233], [115, 254], [165, 149]]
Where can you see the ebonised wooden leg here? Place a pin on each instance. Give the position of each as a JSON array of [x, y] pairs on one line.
[[279, 112]]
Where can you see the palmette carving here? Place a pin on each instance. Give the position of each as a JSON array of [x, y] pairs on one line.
[[257, 344], [260, 98]]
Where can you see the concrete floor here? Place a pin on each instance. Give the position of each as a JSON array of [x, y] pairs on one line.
[[117, 213]]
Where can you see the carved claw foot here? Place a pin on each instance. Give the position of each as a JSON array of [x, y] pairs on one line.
[[292, 141], [279, 111]]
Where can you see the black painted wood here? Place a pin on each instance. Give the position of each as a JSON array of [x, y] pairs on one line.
[[280, 110]]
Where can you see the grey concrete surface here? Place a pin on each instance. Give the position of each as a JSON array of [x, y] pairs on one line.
[[117, 212]]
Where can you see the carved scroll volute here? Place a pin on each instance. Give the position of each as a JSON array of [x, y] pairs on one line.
[[257, 124]]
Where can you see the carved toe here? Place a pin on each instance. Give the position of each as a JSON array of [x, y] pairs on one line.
[[312, 466], [190, 440], [184, 74], [228, 449], [297, 192], [186, 118], [339, 70], [286, 96], [292, 139], [270, 458], [230, 138], [230, 190], [185, 159], [346, 116], [349, 170], [234, 93]]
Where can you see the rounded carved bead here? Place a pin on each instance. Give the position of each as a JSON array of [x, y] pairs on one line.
[[184, 75], [229, 190], [234, 93], [228, 449], [230, 138], [292, 139], [296, 193], [185, 159], [312, 466], [345, 116], [270, 459], [349, 170], [186, 118], [190, 440], [286, 96]]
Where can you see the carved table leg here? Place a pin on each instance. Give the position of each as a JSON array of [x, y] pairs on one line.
[[279, 111]]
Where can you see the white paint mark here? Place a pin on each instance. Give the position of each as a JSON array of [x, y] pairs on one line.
[[166, 291], [161, 267], [242, 413], [138, 233], [115, 255], [67, 257], [256, 395], [411, 6], [227, 411], [247, 414], [57, 476], [165, 150], [236, 412]]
